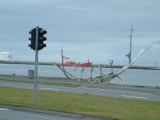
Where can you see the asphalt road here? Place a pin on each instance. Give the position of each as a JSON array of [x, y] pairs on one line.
[[148, 94], [11, 114]]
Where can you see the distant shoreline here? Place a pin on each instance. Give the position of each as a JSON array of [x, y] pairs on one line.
[[143, 67]]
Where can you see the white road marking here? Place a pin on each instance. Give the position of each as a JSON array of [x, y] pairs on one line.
[[50, 89], [4, 109], [126, 91], [135, 97], [103, 90]]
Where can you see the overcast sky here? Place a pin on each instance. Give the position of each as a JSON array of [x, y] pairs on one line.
[[85, 29]]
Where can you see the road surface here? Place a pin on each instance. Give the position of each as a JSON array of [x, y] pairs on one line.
[[149, 94], [11, 114]]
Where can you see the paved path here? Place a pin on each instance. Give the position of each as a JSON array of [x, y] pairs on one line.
[[10, 114]]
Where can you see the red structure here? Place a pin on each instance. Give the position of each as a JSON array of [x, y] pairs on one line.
[[74, 64]]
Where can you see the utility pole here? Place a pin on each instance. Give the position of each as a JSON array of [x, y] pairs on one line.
[[129, 55]]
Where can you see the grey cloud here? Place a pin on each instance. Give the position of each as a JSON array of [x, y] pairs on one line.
[[79, 25]]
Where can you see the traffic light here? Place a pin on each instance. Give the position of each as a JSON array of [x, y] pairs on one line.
[[41, 38], [39, 33], [37, 38], [32, 39]]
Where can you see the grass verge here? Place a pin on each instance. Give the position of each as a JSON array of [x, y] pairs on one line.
[[48, 82], [121, 109]]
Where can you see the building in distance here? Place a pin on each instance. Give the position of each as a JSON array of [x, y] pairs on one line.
[[5, 56]]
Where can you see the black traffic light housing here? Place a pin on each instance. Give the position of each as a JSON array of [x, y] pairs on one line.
[[41, 38], [39, 32], [32, 39]]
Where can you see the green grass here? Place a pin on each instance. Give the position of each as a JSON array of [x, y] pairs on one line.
[[121, 109]]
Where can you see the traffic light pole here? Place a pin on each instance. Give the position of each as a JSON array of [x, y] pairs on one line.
[[34, 97], [37, 38]]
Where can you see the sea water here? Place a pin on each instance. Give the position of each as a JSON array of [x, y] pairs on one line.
[[130, 77]]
